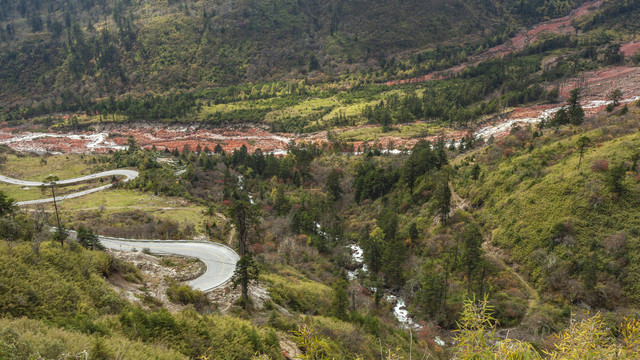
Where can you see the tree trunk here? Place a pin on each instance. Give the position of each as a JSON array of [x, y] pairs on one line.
[[245, 288], [55, 205], [580, 158]]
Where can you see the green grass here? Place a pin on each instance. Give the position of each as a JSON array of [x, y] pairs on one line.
[[565, 188], [37, 168], [405, 131], [108, 202], [554, 217], [114, 201], [233, 106], [354, 109], [290, 289], [22, 338], [311, 106], [23, 193]]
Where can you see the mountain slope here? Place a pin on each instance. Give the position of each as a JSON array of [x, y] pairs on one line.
[[573, 230], [100, 48]]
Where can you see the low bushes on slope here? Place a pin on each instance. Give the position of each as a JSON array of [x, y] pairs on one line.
[[27, 338], [575, 230], [55, 283]]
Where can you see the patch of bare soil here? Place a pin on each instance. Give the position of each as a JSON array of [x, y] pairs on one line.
[[157, 272], [289, 348], [225, 298]]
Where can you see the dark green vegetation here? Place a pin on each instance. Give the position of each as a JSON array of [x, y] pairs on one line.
[[93, 317], [421, 240], [316, 67], [65, 288], [488, 88], [110, 47], [544, 223], [575, 229]]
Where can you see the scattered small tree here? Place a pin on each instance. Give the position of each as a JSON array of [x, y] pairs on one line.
[[623, 111], [218, 150], [7, 205], [373, 245], [9, 231], [61, 233], [413, 231], [475, 172], [131, 144], [572, 113], [583, 142], [280, 201], [443, 200], [575, 111], [88, 239], [332, 185], [615, 96], [340, 302], [614, 178], [243, 215], [560, 117]]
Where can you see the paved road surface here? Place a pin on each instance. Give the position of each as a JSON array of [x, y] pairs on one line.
[[128, 174], [219, 259]]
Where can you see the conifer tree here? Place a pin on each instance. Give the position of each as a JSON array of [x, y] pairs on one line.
[[243, 215]]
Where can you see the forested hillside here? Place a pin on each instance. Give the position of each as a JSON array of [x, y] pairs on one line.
[[57, 49], [566, 209], [400, 179], [542, 224]]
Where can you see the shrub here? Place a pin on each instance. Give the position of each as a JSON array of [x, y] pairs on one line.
[[600, 165], [128, 270], [624, 110], [299, 294], [61, 284], [508, 152], [509, 309], [23, 338], [184, 294], [615, 243]]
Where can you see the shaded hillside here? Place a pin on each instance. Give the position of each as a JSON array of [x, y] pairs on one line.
[[98, 48]]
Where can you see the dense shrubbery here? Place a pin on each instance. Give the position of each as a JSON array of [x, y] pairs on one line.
[[195, 335], [27, 338], [185, 295], [590, 338], [181, 94], [576, 241], [56, 284]]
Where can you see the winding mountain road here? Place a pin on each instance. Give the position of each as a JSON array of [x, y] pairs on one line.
[[220, 260], [128, 174]]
